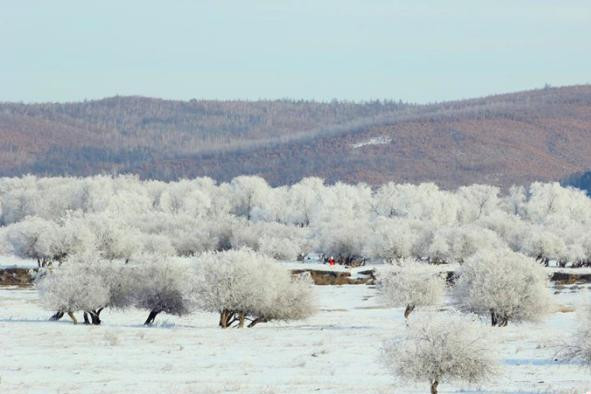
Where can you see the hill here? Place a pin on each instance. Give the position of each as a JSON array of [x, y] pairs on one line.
[[505, 139]]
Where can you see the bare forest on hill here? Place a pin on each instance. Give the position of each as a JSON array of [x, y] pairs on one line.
[[507, 139]]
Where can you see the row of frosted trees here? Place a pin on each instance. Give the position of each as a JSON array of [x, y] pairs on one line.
[[242, 286], [49, 219]]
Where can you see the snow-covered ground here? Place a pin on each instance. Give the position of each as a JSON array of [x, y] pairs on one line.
[[335, 351], [372, 141]]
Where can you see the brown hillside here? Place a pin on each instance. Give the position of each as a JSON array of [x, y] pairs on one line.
[[513, 138]]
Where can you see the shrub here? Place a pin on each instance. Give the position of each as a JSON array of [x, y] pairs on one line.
[[244, 285], [442, 347], [71, 288], [509, 286], [163, 286], [410, 285], [580, 349]]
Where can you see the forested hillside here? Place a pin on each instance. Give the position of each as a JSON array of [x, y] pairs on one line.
[[514, 138]]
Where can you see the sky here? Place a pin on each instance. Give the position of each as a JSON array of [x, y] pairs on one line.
[[415, 51]]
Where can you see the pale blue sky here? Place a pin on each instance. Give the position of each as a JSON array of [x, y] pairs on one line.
[[418, 51]]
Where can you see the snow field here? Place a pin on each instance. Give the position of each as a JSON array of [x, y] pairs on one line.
[[335, 351]]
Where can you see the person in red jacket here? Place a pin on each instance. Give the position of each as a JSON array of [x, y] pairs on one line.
[[331, 261]]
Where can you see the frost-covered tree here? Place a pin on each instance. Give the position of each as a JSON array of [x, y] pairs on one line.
[[248, 193], [46, 241], [120, 280], [580, 346], [457, 243], [477, 201], [424, 202], [71, 288], [163, 285], [242, 285], [301, 202], [115, 239], [442, 347], [409, 285], [276, 240], [507, 285], [342, 236], [394, 238]]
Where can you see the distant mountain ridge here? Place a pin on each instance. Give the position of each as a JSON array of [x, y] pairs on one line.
[[505, 139]]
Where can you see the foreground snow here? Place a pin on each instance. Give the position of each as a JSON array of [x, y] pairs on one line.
[[336, 351]]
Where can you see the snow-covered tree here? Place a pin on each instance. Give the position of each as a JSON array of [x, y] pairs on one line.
[[36, 238], [248, 193], [456, 243], [580, 346], [163, 285], [394, 238], [120, 280], [244, 285], [411, 284], [477, 201], [442, 347], [507, 285], [71, 288]]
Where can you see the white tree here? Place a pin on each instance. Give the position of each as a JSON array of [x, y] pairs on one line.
[[507, 285], [163, 285], [580, 346], [120, 280], [442, 347], [35, 238], [393, 238], [244, 285], [248, 193], [457, 243], [71, 288], [477, 201], [411, 284]]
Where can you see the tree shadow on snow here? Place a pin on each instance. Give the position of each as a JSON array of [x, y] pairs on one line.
[[51, 322]]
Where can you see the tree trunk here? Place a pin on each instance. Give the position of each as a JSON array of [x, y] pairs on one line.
[[408, 311], [151, 317], [73, 317], [256, 321], [227, 317], [94, 315], [224, 318], [86, 321], [58, 315], [493, 318], [242, 317], [434, 385]]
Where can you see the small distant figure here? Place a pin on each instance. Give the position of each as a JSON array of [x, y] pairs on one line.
[[331, 261]]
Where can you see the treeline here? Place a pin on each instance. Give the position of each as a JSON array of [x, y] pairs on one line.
[[49, 219]]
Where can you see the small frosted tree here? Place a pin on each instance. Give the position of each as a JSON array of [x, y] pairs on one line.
[[442, 347], [580, 347], [244, 285], [410, 285], [163, 285], [71, 288], [509, 286]]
